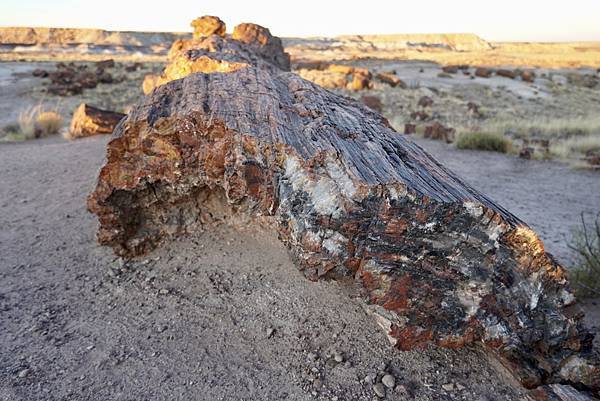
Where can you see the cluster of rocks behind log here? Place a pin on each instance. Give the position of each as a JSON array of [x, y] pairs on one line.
[[71, 79]]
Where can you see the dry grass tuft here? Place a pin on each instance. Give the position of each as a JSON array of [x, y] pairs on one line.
[[484, 141], [585, 277], [49, 123], [36, 122]]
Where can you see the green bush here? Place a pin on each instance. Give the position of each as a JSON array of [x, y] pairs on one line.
[[484, 141], [585, 276]]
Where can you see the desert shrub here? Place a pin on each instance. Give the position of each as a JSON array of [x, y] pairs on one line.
[[27, 122], [35, 122], [585, 276], [483, 141], [576, 145]]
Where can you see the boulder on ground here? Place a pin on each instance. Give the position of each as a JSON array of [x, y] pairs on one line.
[[410, 129], [483, 72], [88, 120], [506, 73], [528, 76], [207, 25], [473, 108], [438, 132], [110, 63], [450, 69]]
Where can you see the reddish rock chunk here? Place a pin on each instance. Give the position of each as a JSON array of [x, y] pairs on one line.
[[391, 79], [483, 72], [372, 102], [410, 129], [88, 120], [440, 133], [506, 73]]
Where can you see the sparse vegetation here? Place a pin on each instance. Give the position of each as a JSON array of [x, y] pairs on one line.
[[585, 276], [49, 123], [483, 141], [35, 122]]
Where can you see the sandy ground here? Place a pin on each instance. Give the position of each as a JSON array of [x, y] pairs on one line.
[[220, 315]]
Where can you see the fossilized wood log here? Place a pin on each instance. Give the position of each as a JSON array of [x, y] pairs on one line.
[[88, 120], [249, 45], [438, 262]]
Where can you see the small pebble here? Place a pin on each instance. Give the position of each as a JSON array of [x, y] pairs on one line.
[[368, 379], [270, 332], [389, 381], [379, 390], [23, 373], [448, 386], [339, 358], [312, 356], [163, 291]]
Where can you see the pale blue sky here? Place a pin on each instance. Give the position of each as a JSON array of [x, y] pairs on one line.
[[532, 20]]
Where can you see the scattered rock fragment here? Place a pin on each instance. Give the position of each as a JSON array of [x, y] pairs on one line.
[[389, 381], [391, 79], [425, 101], [410, 128], [110, 63], [506, 73], [528, 76], [373, 102], [438, 132], [483, 72], [450, 69], [88, 120], [379, 390]]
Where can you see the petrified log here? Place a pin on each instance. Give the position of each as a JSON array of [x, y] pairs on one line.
[[438, 262], [391, 79], [483, 72], [88, 120], [250, 45]]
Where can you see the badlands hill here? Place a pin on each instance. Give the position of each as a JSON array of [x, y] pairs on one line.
[[27, 43]]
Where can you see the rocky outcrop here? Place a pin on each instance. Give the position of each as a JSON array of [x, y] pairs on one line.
[[438, 262], [206, 26], [26, 36], [88, 121]]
